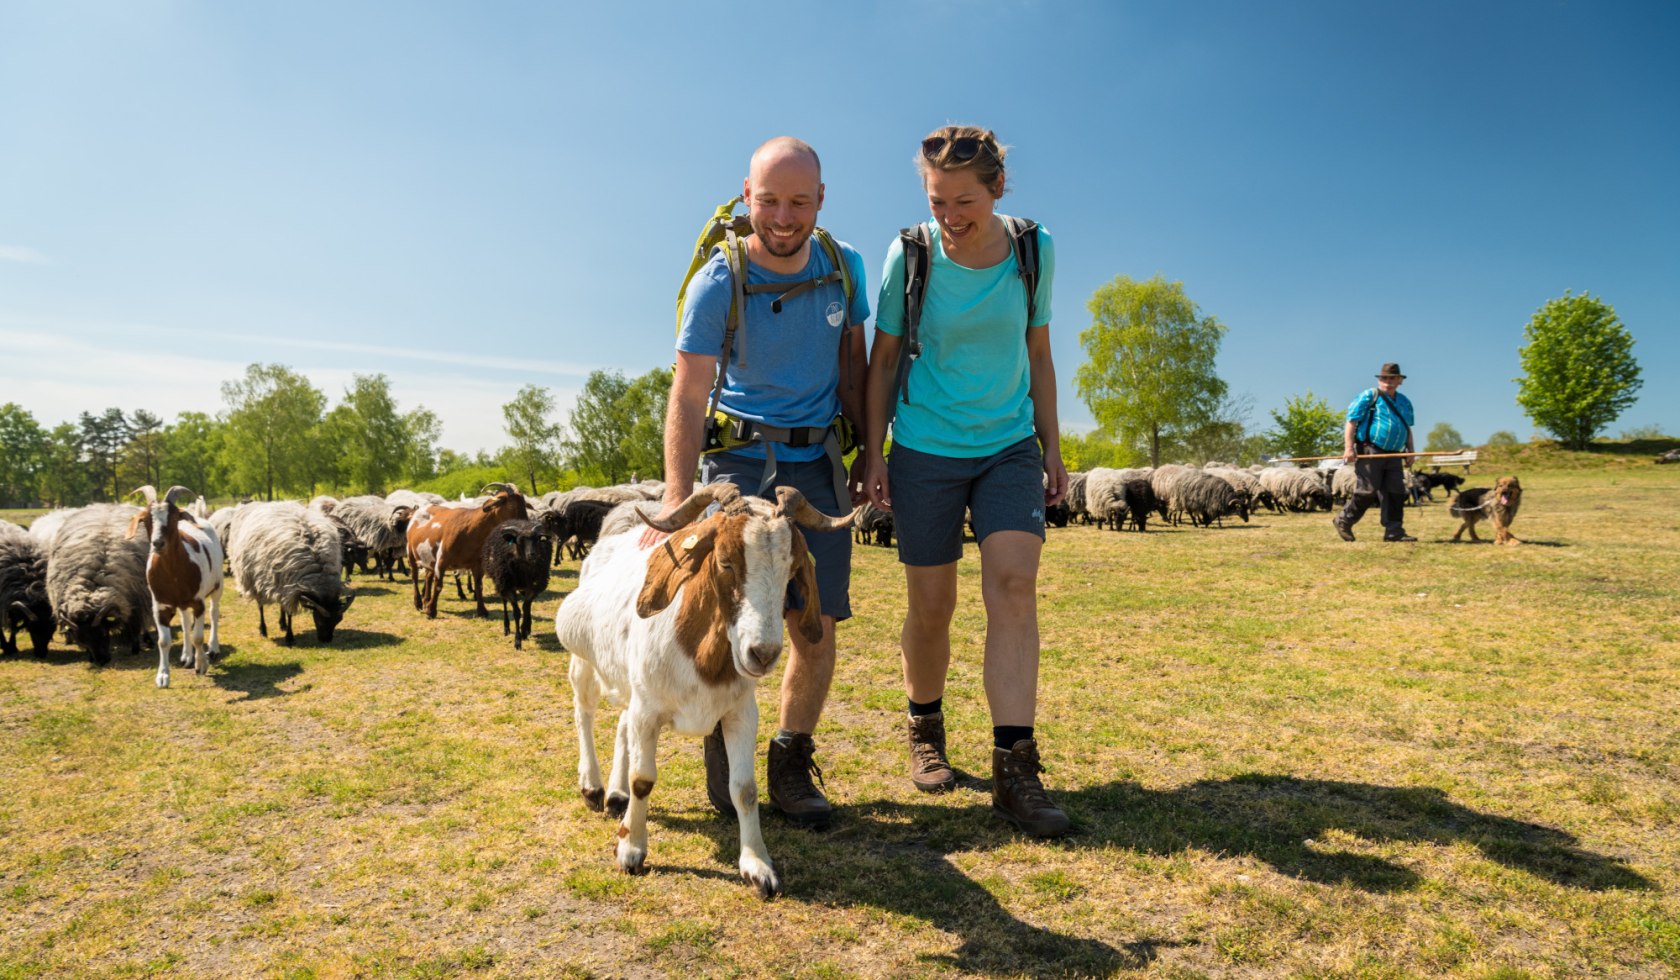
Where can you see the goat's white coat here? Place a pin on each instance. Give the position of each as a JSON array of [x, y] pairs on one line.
[[195, 653], [639, 663]]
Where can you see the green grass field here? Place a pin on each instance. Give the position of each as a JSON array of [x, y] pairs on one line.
[[1285, 755]]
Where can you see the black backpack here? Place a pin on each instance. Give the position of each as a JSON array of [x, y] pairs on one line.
[[918, 262]]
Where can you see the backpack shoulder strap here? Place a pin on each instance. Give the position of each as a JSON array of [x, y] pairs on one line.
[[1023, 237], [918, 261], [835, 258]]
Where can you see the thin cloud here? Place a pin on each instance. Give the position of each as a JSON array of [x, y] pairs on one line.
[[22, 253]]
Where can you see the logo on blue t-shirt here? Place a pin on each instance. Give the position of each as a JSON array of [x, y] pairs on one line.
[[836, 314]]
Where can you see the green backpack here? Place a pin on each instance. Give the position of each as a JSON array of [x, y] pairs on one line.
[[725, 229]]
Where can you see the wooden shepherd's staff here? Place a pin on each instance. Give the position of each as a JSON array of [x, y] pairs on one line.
[[1313, 459]]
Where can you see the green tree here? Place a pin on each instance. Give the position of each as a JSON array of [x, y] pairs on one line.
[[23, 451], [1307, 426], [535, 438], [599, 429], [422, 431], [1149, 374], [1443, 438], [65, 480], [273, 414], [1501, 439], [102, 440], [143, 456], [364, 437], [1223, 436], [193, 448], [1086, 451], [644, 404], [1579, 369]]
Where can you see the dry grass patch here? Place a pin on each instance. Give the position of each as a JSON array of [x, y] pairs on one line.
[[1283, 754]]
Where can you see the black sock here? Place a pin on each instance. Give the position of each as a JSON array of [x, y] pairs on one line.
[[1005, 736], [933, 707]]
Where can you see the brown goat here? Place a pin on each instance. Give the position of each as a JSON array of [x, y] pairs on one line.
[[457, 536]]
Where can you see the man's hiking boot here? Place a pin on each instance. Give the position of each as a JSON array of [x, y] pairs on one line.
[[1342, 527], [929, 770], [1017, 794], [717, 772], [789, 774], [1402, 536]]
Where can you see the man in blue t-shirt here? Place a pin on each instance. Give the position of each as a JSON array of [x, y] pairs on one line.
[[797, 361], [1379, 421]]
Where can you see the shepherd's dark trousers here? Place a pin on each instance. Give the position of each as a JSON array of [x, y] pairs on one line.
[[1378, 481]]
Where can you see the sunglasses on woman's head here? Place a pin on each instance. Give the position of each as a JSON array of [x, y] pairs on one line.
[[963, 148]]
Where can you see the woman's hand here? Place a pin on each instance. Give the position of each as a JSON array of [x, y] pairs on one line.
[[875, 481], [1055, 479]]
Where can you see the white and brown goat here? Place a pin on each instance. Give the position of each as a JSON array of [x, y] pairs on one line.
[[680, 633], [184, 574]]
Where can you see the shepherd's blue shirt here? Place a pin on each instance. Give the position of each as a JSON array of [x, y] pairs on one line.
[[1385, 430]]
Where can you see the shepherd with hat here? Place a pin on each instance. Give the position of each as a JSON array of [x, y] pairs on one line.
[[1379, 427]]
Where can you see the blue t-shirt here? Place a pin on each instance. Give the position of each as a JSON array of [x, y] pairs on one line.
[[785, 368], [968, 392], [1385, 431]]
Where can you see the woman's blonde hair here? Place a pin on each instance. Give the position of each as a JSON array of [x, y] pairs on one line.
[[938, 152]]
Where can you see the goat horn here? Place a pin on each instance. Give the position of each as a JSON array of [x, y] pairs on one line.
[[498, 487], [169, 498], [698, 501], [791, 503], [148, 491]]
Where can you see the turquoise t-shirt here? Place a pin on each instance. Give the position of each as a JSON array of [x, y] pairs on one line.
[[791, 375], [968, 392]]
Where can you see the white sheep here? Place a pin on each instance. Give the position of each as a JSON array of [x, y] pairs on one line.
[[680, 633]]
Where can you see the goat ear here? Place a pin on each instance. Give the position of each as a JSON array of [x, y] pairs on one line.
[[672, 563], [134, 524], [805, 579]]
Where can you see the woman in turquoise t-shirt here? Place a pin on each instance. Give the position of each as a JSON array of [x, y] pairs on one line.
[[974, 433]]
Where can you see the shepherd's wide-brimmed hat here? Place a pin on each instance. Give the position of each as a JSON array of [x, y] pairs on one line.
[[1391, 368]]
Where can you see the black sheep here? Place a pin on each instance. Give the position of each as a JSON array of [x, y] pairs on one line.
[[23, 592], [516, 561]]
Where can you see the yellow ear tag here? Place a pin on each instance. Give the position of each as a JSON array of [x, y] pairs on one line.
[[690, 541]]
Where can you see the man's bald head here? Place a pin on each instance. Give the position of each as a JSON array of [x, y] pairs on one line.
[[784, 150]]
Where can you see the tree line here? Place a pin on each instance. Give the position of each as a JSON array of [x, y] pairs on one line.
[[1148, 379], [277, 437]]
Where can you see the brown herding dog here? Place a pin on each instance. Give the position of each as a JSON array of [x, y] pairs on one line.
[[1498, 505]]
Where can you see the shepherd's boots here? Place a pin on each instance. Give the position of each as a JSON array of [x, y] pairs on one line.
[[929, 769], [788, 772], [1017, 794]]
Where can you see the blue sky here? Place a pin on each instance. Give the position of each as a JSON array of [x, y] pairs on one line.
[[472, 197]]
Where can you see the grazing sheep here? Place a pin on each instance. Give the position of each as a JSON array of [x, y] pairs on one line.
[[1295, 489], [516, 560], [1342, 483], [1206, 499], [1164, 481], [412, 498], [872, 525], [380, 525], [287, 555], [1076, 500], [96, 580], [184, 574], [680, 632], [23, 591], [353, 550], [1105, 497], [45, 528], [1247, 485]]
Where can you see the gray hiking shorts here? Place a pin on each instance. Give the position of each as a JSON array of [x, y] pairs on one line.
[[832, 550], [1003, 491]]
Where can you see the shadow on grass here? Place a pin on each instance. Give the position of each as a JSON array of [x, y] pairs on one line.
[[1526, 542], [255, 680], [895, 856]]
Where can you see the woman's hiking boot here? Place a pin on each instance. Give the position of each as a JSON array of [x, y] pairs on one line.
[[1017, 794], [789, 773], [929, 769]]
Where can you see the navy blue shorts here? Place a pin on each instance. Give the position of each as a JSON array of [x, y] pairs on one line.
[[832, 550], [930, 494]]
